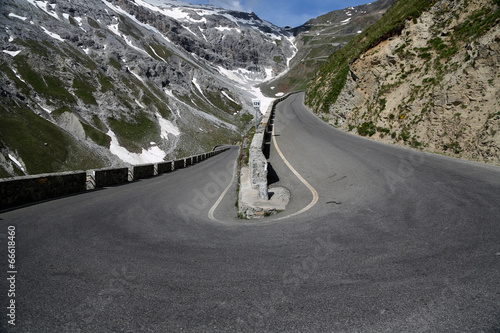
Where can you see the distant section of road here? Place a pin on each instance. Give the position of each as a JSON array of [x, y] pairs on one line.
[[398, 241]]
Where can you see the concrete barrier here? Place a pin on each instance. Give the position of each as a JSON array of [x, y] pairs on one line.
[[109, 176], [179, 164], [253, 195], [165, 167], [27, 189], [18, 191], [257, 162], [143, 171]]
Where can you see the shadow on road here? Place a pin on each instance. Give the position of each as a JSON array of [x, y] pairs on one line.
[[272, 176]]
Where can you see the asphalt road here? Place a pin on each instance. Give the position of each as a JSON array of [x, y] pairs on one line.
[[398, 241]]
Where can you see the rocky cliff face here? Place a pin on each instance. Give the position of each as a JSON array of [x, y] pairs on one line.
[[432, 86], [92, 83]]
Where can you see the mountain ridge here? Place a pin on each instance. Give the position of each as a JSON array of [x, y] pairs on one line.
[[319, 37], [102, 83]]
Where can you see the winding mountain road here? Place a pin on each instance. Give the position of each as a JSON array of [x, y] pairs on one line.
[[396, 241]]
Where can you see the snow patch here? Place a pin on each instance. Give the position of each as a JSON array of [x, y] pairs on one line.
[[169, 93], [12, 53], [264, 101], [18, 17], [269, 74], [53, 35], [139, 103], [114, 28], [166, 127], [43, 5], [173, 12], [191, 31], [344, 22], [152, 155], [147, 26], [17, 74], [136, 75], [156, 54], [129, 43], [195, 82], [242, 76], [228, 97], [45, 109], [16, 162], [204, 37], [223, 29]]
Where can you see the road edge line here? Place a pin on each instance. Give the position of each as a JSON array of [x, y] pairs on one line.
[[216, 204], [309, 186]]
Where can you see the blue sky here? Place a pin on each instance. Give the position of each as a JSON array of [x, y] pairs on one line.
[[284, 12]]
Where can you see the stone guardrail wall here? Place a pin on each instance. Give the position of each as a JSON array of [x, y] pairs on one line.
[[23, 190], [257, 162]]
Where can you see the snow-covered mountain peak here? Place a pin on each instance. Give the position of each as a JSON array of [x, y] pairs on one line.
[[108, 76], [190, 13]]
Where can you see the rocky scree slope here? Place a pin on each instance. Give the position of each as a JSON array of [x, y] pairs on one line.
[[318, 38], [88, 84], [433, 84]]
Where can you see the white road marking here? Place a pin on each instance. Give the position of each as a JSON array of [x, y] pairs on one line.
[[309, 186], [216, 204]]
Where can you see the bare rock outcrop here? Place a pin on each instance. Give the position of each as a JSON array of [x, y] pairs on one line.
[[434, 86]]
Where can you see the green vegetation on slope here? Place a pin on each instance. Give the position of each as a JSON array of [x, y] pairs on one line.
[[331, 78], [431, 86], [46, 85], [136, 133], [44, 147]]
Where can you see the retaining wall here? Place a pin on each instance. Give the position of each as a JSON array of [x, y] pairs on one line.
[[165, 167], [143, 171], [18, 191], [108, 177], [27, 189], [257, 162], [179, 164]]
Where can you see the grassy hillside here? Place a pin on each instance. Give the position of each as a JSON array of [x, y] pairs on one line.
[[44, 147], [426, 79], [331, 77]]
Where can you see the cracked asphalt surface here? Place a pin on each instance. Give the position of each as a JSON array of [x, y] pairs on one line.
[[399, 241]]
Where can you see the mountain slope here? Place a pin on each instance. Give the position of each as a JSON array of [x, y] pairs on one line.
[[429, 80], [87, 84], [318, 38]]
